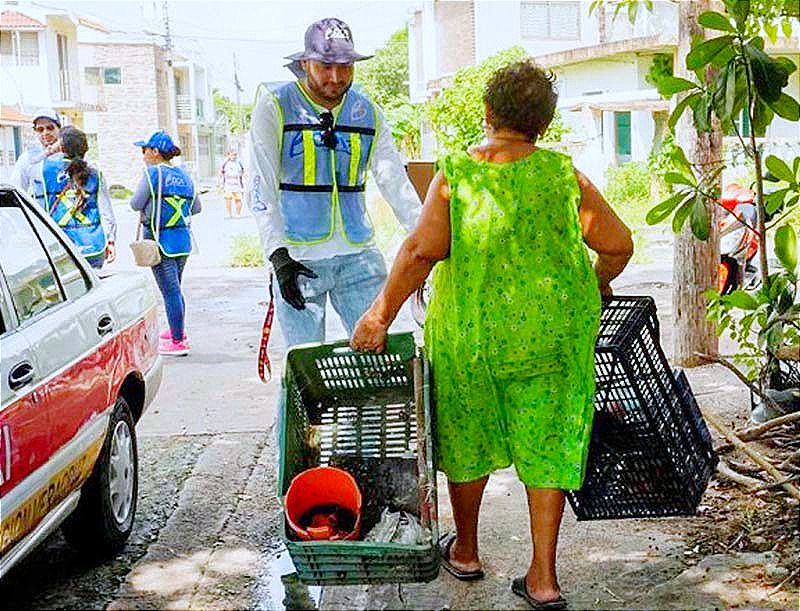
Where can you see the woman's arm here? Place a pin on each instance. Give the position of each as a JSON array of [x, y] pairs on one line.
[[141, 197], [605, 233], [428, 243]]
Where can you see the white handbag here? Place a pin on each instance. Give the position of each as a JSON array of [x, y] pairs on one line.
[[146, 252]]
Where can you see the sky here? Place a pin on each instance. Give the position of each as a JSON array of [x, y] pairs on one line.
[[260, 33]]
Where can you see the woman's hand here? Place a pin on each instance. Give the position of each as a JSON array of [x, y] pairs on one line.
[[369, 334], [605, 290]]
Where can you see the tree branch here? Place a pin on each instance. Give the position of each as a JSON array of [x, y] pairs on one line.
[[756, 431], [742, 378]]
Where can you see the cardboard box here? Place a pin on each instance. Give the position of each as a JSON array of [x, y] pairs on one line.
[[420, 173]]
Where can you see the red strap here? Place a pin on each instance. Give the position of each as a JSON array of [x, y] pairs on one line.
[[263, 356]]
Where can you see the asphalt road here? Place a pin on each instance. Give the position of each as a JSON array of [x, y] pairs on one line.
[[206, 533]]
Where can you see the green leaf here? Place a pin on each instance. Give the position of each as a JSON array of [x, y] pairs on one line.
[[774, 201], [681, 106], [786, 247], [702, 54], [786, 107], [742, 300], [680, 216], [715, 21], [770, 76], [740, 9], [699, 218], [730, 92], [662, 210], [787, 63], [676, 178], [786, 26], [762, 117], [780, 169], [678, 158], [724, 57], [633, 9], [670, 85], [701, 112], [771, 30]]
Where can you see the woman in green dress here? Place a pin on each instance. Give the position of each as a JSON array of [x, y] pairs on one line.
[[511, 328]]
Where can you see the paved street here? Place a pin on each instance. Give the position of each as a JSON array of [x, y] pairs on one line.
[[206, 534]]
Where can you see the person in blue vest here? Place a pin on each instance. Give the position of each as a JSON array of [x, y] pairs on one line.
[[312, 143], [166, 220], [27, 171], [76, 197]]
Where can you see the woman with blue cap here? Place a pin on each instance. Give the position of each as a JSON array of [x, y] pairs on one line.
[[166, 198], [76, 197]]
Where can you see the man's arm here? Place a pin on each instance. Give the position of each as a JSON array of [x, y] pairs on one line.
[[265, 134], [390, 175]]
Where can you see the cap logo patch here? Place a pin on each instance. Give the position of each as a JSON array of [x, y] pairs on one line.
[[337, 32]]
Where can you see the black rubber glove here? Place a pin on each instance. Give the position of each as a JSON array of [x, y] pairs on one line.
[[287, 270]]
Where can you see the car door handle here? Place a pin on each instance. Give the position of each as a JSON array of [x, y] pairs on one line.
[[20, 375], [105, 325]]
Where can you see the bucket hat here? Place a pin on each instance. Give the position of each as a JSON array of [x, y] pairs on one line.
[[329, 41], [160, 141]]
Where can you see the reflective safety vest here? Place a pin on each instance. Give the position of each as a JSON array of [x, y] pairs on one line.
[[80, 219], [177, 197], [317, 183]]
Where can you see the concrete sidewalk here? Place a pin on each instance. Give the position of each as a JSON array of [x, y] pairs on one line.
[[631, 564]]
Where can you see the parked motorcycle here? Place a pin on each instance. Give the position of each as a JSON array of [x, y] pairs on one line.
[[738, 240]]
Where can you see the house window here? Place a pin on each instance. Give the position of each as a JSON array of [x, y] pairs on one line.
[[112, 76], [19, 48], [556, 20], [742, 123], [92, 75], [622, 125]]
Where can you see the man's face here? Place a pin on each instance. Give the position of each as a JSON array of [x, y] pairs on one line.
[[232, 155], [328, 82], [47, 131]]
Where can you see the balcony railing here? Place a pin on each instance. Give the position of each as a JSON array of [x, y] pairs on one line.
[[183, 107]]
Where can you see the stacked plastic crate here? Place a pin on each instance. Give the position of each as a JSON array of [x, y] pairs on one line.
[[651, 453]]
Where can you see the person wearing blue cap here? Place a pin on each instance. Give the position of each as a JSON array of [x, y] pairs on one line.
[[312, 143], [76, 197], [26, 174], [166, 198]]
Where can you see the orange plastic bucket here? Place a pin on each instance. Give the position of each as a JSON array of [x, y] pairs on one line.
[[321, 488]]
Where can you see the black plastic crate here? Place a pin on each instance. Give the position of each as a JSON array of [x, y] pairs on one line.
[[650, 452]]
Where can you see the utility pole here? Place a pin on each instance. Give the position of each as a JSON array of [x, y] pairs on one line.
[[171, 93], [239, 116]]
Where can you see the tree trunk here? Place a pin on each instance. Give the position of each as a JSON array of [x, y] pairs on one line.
[[695, 263]]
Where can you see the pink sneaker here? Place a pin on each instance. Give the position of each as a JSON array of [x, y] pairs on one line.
[[166, 334], [173, 348]]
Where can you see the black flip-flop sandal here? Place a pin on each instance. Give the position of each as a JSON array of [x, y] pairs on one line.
[[445, 543], [520, 588]]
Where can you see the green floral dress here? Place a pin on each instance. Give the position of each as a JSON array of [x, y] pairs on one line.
[[512, 324]]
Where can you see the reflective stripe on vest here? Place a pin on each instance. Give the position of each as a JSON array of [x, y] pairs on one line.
[[175, 209], [320, 186], [79, 218]]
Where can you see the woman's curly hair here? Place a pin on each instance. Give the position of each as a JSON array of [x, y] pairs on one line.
[[522, 97]]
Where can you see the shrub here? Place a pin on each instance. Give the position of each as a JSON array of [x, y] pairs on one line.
[[120, 192], [246, 251], [628, 183]]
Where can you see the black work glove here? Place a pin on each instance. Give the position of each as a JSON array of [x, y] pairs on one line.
[[287, 271]]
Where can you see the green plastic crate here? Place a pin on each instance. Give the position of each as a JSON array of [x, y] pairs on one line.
[[370, 407]]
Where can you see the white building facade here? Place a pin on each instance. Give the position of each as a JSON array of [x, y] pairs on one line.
[[601, 63]]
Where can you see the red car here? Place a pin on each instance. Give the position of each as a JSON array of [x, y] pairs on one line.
[[79, 365]]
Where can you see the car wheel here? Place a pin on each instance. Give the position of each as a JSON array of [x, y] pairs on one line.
[[103, 519]]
